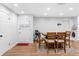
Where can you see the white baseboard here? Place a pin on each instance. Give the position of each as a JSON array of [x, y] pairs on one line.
[[11, 46], [75, 40]]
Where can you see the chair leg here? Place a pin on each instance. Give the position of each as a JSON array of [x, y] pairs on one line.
[[55, 47], [64, 48], [39, 43], [47, 48], [69, 44], [45, 45]]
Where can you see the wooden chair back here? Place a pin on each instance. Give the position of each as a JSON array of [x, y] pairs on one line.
[[68, 34], [68, 38], [61, 35], [51, 35]]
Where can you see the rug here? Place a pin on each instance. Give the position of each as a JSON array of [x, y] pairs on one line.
[[23, 44]]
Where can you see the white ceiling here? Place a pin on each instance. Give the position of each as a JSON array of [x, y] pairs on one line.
[[40, 9]]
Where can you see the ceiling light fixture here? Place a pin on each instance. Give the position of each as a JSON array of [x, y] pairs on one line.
[[48, 9], [16, 5], [71, 9]]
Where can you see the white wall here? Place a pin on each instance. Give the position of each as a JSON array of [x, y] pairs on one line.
[[25, 34], [77, 31], [50, 24], [8, 28]]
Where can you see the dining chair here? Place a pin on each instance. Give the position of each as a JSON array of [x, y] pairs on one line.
[[68, 38], [50, 41], [41, 40], [61, 39]]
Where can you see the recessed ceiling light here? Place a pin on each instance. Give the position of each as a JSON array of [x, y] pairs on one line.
[[22, 12], [45, 14], [70, 8], [61, 14], [48, 9], [16, 5]]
